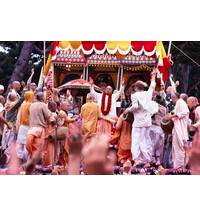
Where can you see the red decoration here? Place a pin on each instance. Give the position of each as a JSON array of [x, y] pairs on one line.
[[87, 45], [106, 110], [149, 46], [99, 45], [164, 69], [137, 45], [54, 44]]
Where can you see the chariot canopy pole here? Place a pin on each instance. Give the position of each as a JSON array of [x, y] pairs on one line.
[[169, 48], [44, 48]]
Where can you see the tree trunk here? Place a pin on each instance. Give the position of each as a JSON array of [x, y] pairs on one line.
[[22, 62]]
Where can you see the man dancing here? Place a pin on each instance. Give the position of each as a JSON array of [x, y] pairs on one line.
[[143, 108], [107, 101]]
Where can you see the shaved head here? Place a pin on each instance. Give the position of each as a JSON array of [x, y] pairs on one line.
[[90, 97], [40, 96], [184, 96], [192, 102], [16, 85], [64, 105]]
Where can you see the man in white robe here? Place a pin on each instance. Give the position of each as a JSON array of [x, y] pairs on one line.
[[107, 102], [143, 108], [115, 96], [180, 137]]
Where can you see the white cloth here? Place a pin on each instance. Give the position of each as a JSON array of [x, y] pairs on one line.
[[22, 133], [1, 107], [141, 147], [143, 107], [1, 87], [157, 138], [180, 133], [21, 142], [115, 97]]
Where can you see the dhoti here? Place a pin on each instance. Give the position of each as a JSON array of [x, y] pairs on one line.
[[178, 151], [141, 145]]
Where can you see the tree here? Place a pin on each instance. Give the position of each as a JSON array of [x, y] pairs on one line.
[[18, 59], [22, 62]]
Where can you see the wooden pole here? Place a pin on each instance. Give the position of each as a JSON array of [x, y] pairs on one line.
[[44, 48], [122, 75], [118, 77], [169, 48]]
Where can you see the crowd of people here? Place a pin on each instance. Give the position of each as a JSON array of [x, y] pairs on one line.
[[152, 132]]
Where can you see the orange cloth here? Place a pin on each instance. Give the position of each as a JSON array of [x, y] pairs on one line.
[[61, 151], [124, 148], [90, 113], [104, 127], [48, 151], [24, 110], [196, 139], [35, 137]]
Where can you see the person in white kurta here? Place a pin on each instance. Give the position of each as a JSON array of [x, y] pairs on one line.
[[115, 96], [143, 108], [104, 125], [180, 137]]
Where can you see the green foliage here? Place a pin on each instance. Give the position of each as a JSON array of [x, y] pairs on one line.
[[8, 60]]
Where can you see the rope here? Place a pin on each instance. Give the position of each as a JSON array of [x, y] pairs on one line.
[[186, 55]]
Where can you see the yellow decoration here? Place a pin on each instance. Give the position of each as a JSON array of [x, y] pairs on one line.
[[75, 44], [111, 44], [161, 50], [63, 44], [47, 66], [123, 45]]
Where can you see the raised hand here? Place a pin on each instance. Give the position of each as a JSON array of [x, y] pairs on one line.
[[32, 71], [154, 72], [91, 81]]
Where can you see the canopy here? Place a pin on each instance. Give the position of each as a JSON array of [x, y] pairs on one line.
[[147, 48], [77, 84], [141, 52]]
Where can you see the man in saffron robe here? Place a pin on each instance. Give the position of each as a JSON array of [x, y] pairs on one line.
[[90, 113], [194, 106], [38, 119], [124, 125]]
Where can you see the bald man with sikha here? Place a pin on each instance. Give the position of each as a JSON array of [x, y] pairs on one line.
[[90, 113]]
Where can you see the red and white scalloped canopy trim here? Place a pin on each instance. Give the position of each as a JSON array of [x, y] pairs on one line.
[[110, 51], [143, 51]]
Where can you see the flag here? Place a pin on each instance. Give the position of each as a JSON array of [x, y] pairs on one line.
[[164, 61]]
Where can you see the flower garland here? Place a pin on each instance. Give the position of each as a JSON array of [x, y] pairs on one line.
[[106, 109]]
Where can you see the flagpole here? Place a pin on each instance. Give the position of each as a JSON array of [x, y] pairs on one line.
[[169, 48]]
